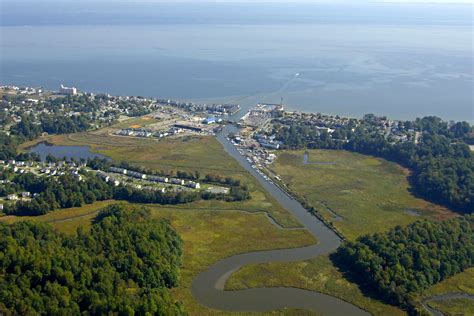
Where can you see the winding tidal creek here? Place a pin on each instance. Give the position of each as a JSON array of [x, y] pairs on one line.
[[208, 287]]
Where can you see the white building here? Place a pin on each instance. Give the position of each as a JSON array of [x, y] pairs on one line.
[[68, 90]]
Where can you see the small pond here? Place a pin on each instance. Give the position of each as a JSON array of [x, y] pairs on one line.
[[76, 152]]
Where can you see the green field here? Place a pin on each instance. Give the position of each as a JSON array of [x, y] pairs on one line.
[[358, 194], [209, 235]]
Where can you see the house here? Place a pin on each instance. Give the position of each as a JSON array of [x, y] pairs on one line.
[[194, 185], [158, 179], [177, 181], [25, 194], [118, 170], [137, 175], [103, 176], [12, 197]]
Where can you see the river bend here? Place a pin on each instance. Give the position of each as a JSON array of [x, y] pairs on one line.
[[208, 287]]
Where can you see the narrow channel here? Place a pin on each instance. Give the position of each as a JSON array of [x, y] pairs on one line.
[[208, 287]]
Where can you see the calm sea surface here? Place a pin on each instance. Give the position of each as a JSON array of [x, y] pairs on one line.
[[397, 60]]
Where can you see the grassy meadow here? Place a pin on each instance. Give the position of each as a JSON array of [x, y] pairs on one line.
[[359, 194], [204, 154], [459, 283], [185, 153], [454, 307]]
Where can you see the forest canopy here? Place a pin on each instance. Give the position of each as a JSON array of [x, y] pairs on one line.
[[125, 265], [407, 260]]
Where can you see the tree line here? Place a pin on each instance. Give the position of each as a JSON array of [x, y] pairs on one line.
[[125, 265], [66, 191], [441, 162], [404, 261]]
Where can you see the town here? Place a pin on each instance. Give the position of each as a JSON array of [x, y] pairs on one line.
[[103, 110]]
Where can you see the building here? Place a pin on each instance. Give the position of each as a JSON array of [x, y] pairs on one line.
[[270, 145], [210, 120], [194, 185], [158, 179], [137, 175], [68, 90], [12, 197], [188, 127], [25, 195], [103, 176], [118, 170], [177, 181]]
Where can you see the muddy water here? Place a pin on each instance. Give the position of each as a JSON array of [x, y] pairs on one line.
[[208, 287]]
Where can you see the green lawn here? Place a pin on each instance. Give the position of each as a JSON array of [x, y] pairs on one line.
[[359, 194]]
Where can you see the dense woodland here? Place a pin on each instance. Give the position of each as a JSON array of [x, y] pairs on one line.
[[124, 265], [441, 162], [54, 193], [402, 262], [29, 129]]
